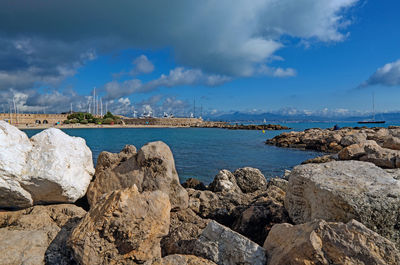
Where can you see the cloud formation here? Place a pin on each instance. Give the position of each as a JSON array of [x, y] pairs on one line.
[[388, 75]]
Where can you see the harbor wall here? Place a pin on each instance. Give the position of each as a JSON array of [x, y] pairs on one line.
[[29, 118], [164, 121]]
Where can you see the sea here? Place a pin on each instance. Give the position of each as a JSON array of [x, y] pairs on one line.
[[201, 152]]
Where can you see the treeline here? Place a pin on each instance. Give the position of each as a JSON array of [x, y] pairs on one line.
[[86, 118]]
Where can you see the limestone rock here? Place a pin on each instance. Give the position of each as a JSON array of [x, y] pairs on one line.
[[60, 167], [278, 182], [185, 226], [37, 235], [250, 179], [391, 142], [152, 168], [224, 181], [370, 151], [182, 260], [321, 242], [343, 190], [320, 159], [51, 167], [125, 227], [224, 246], [14, 146], [354, 138]]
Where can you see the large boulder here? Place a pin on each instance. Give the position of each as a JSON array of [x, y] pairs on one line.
[[226, 247], [52, 167], [151, 168], [370, 151], [38, 235], [250, 179], [343, 190], [60, 167], [14, 146], [321, 242], [125, 227]]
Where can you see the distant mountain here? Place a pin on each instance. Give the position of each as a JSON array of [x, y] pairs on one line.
[[302, 117]]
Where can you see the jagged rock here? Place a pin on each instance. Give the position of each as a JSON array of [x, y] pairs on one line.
[[256, 221], [354, 138], [370, 151], [343, 190], [250, 179], [224, 181], [181, 260], [321, 242], [391, 142], [125, 227], [193, 183], [320, 159], [278, 182], [224, 246], [37, 235], [60, 167], [52, 167], [152, 168], [185, 227]]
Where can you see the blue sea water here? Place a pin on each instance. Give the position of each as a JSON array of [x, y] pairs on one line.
[[202, 152]]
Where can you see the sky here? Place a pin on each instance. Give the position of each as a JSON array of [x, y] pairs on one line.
[[312, 56]]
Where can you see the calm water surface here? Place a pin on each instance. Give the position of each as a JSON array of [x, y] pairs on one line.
[[200, 152]]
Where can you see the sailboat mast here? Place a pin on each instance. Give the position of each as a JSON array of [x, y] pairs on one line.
[[373, 106]]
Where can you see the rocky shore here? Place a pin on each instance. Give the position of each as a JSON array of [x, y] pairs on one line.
[[380, 146], [137, 212], [224, 125]]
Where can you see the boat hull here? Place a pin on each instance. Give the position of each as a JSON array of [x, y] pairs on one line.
[[367, 122]]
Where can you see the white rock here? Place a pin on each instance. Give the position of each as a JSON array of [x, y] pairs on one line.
[[51, 167], [14, 149]]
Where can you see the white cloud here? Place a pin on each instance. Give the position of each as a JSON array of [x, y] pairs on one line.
[[277, 72], [142, 65], [388, 75], [224, 37]]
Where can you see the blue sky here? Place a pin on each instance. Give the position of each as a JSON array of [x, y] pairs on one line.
[[264, 55]]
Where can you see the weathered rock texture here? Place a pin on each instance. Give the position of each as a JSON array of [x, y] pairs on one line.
[[52, 167], [38, 235], [370, 151], [125, 227], [344, 190], [224, 246], [181, 260], [321, 242], [151, 168], [185, 227], [250, 179]]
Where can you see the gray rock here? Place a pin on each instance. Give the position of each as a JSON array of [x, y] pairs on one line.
[[343, 190], [278, 182], [250, 179], [226, 247]]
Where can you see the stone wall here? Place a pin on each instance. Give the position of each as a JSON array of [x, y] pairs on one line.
[[164, 121], [22, 118]]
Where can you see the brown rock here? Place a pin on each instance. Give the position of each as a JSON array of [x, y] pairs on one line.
[[185, 227], [152, 168], [320, 159], [193, 183], [38, 234], [125, 227], [321, 242]]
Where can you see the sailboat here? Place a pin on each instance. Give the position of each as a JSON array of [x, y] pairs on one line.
[[373, 114]]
